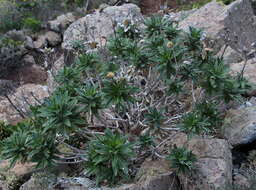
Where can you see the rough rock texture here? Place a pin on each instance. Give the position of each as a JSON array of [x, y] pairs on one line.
[[240, 126], [3, 186], [39, 182], [19, 169], [13, 51], [236, 20], [58, 65], [249, 72], [151, 6], [154, 174], [50, 182], [21, 98], [214, 165], [49, 39], [242, 181], [230, 56], [28, 74], [181, 15], [95, 27], [61, 23]]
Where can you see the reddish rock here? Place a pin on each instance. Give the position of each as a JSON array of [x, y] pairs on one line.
[[29, 74], [151, 6]]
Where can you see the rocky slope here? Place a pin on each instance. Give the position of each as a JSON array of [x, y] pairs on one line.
[[229, 31]]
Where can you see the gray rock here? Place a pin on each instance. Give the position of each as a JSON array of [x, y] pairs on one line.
[[61, 23], [241, 181], [213, 166], [240, 126], [53, 38], [181, 15], [12, 49], [235, 22], [20, 98], [49, 39], [58, 65], [3, 186], [154, 174], [39, 181], [230, 56], [99, 25], [249, 71]]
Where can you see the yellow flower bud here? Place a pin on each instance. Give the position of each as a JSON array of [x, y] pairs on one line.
[[126, 22], [170, 44], [110, 75]]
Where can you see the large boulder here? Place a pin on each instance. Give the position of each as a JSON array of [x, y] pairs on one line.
[[214, 162], [61, 23], [99, 25], [25, 95], [240, 126], [13, 47], [154, 174], [234, 23], [49, 39]]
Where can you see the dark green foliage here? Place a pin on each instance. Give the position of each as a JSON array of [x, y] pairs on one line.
[[118, 92], [209, 111], [182, 160], [42, 149], [139, 57], [10, 16], [16, 147], [121, 47], [91, 98], [193, 40], [145, 141], [27, 145], [194, 123], [79, 46], [68, 75], [217, 81], [68, 78], [5, 130], [162, 67], [175, 86], [154, 118], [88, 62], [109, 157], [154, 42], [171, 31], [62, 114], [32, 24], [155, 25], [169, 58], [216, 74]]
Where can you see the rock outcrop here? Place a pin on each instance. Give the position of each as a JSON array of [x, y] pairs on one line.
[[61, 23], [13, 47], [249, 70], [21, 98], [234, 23], [240, 126], [100, 25], [214, 164]]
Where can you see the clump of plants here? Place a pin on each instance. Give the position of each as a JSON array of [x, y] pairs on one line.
[[32, 24], [124, 101], [182, 160], [109, 156]]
